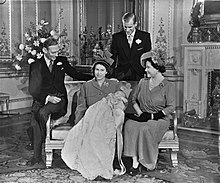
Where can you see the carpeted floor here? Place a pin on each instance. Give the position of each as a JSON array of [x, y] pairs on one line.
[[199, 161]]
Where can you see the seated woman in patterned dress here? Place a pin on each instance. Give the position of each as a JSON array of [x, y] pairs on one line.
[[153, 101]]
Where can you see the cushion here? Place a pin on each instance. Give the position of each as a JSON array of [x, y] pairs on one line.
[[60, 132], [169, 135]]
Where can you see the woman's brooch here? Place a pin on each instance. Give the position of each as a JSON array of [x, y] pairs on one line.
[[106, 84]]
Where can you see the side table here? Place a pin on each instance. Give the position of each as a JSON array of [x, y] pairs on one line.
[[4, 98]]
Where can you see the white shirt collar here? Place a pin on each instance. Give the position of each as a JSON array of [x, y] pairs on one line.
[[47, 60], [132, 34]]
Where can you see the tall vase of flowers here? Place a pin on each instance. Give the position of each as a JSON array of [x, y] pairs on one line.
[[34, 38]]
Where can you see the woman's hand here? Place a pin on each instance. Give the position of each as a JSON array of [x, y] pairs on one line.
[[144, 116], [158, 115]]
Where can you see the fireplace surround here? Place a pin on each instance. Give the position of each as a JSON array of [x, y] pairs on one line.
[[199, 60]]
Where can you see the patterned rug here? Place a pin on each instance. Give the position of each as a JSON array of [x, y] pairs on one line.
[[198, 158], [62, 175]]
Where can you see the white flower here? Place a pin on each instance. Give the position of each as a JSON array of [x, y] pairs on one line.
[[56, 36], [138, 41], [52, 33], [59, 63], [21, 46], [33, 52], [43, 22], [26, 35], [36, 43], [42, 40], [17, 67], [28, 48], [31, 60], [39, 27], [39, 55], [28, 38], [94, 50], [19, 57]]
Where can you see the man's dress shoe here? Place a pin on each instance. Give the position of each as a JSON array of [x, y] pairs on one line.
[[35, 161]]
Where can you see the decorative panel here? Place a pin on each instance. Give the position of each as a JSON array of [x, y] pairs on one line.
[[44, 10], [5, 31], [194, 77], [16, 24], [161, 25], [195, 58], [65, 20], [213, 59], [30, 15], [194, 88]]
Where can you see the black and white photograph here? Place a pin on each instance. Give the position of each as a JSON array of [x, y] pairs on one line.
[[122, 91]]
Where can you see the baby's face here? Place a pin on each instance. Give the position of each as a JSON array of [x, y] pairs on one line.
[[120, 94]]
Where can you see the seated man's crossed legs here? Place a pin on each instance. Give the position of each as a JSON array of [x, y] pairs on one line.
[[40, 116]]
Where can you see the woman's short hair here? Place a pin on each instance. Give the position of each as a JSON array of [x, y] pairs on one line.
[[105, 64]]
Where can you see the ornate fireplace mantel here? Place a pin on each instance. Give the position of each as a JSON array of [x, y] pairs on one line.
[[199, 60]]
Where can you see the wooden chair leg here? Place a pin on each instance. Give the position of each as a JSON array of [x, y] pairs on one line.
[[49, 157], [173, 156]]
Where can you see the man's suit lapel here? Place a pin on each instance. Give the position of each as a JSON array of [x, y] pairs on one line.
[[134, 44], [44, 65], [125, 44]]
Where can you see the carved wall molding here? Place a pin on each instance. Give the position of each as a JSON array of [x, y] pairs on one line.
[[5, 31]]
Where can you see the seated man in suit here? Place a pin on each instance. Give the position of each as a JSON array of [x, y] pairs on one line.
[[46, 85]]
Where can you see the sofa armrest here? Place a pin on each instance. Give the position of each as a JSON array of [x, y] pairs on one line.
[[175, 123]]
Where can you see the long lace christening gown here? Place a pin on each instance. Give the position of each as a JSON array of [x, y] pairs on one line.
[[90, 145]]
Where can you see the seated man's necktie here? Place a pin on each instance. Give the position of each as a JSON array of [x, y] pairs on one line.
[[50, 65]]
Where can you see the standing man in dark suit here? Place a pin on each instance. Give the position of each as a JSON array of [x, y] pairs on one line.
[[127, 47], [46, 85]]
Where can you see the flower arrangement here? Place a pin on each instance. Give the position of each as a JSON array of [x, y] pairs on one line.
[[35, 36], [92, 44]]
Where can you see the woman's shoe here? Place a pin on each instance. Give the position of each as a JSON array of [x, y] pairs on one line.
[[134, 171]]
